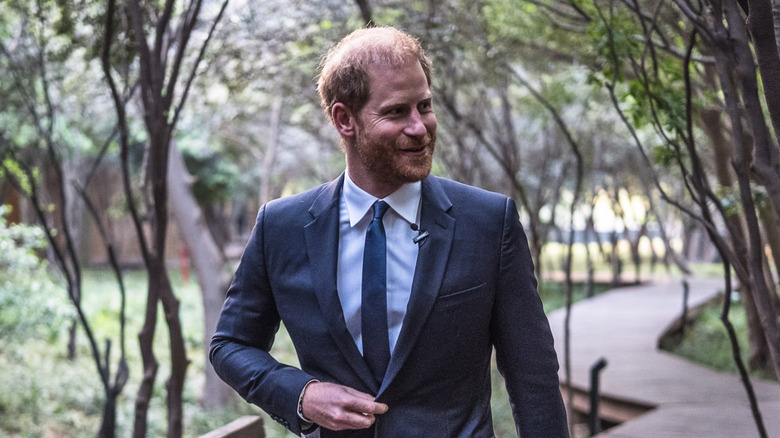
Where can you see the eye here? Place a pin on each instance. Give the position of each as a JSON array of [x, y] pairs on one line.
[[426, 106], [397, 111]]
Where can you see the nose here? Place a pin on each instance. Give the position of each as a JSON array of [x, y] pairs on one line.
[[415, 126]]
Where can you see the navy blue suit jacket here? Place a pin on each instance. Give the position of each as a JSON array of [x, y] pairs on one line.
[[473, 289]]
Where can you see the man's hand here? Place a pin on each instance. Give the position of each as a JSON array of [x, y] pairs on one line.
[[338, 407]]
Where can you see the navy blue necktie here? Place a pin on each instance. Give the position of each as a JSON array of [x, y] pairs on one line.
[[376, 347]]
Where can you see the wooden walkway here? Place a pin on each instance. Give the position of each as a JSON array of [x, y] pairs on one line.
[[655, 393]]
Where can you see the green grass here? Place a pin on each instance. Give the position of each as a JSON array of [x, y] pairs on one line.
[[706, 340], [44, 394]]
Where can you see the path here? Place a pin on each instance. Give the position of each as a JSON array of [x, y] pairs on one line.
[[685, 400]]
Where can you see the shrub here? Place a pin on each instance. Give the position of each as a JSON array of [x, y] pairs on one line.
[[33, 312], [31, 306]]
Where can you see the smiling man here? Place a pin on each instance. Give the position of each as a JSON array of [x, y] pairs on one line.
[[395, 286]]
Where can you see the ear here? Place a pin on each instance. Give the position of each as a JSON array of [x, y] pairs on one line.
[[344, 120]]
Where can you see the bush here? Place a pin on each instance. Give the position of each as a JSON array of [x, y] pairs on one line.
[[31, 306], [33, 313]]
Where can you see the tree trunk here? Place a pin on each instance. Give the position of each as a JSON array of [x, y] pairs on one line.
[[72, 206], [776, 19], [210, 267], [771, 225], [590, 229], [179, 361], [712, 125], [149, 361], [108, 427], [762, 29], [765, 161]]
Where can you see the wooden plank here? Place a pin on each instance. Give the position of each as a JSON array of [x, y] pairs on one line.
[[245, 427]]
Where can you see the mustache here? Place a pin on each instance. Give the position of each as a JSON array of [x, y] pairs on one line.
[[426, 141]]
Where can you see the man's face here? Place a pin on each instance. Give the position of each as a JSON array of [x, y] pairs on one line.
[[395, 130]]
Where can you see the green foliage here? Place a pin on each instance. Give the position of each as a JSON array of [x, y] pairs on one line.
[[31, 306], [518, 30], [216, 178], [33, 317], [648, 81], [42, 393], [761, 197], [730, 199], [650, 99], [612, 41], [52, 91], [666, 155], [10, 169]]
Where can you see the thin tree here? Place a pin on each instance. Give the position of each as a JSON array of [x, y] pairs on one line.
[[161, 58]]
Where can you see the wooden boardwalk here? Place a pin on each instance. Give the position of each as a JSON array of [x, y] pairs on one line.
[[665, 396]]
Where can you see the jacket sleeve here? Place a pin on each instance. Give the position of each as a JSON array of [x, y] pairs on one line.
[[523, 341], [245, 333]]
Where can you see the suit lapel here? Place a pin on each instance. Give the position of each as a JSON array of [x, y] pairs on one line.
[[429, 271], [322, 239]]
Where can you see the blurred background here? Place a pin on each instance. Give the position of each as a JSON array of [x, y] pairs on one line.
[[138, 140]]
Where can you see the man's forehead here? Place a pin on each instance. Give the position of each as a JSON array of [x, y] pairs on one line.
[[398, 82]]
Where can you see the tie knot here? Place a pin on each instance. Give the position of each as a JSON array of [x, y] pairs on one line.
[[380, 208]]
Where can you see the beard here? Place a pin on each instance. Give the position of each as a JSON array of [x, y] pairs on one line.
[[391, 161]]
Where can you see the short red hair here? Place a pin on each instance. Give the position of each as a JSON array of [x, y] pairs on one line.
[[344, 69]]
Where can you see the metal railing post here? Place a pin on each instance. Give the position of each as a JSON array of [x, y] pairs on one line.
[[594, 422]]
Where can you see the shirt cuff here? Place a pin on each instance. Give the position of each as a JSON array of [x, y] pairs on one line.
[[307, 424]]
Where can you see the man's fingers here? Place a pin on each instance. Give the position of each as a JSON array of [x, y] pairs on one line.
[[338, 419], [338, 407], [371, 407], [380, 408], [367, 407]]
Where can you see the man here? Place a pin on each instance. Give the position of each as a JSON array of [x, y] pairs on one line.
[[393, 285]]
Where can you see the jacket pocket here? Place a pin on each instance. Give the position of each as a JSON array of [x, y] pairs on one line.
[[457, 298]]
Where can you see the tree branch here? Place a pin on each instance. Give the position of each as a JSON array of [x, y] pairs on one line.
[[124, 146], [194, 71]]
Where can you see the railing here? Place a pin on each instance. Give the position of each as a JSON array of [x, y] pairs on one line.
[[244, 427], [594, 421]]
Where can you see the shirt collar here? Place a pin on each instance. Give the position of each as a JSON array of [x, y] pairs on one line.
[[405, 201]]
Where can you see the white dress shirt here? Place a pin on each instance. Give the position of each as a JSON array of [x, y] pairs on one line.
[[354, 216]]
